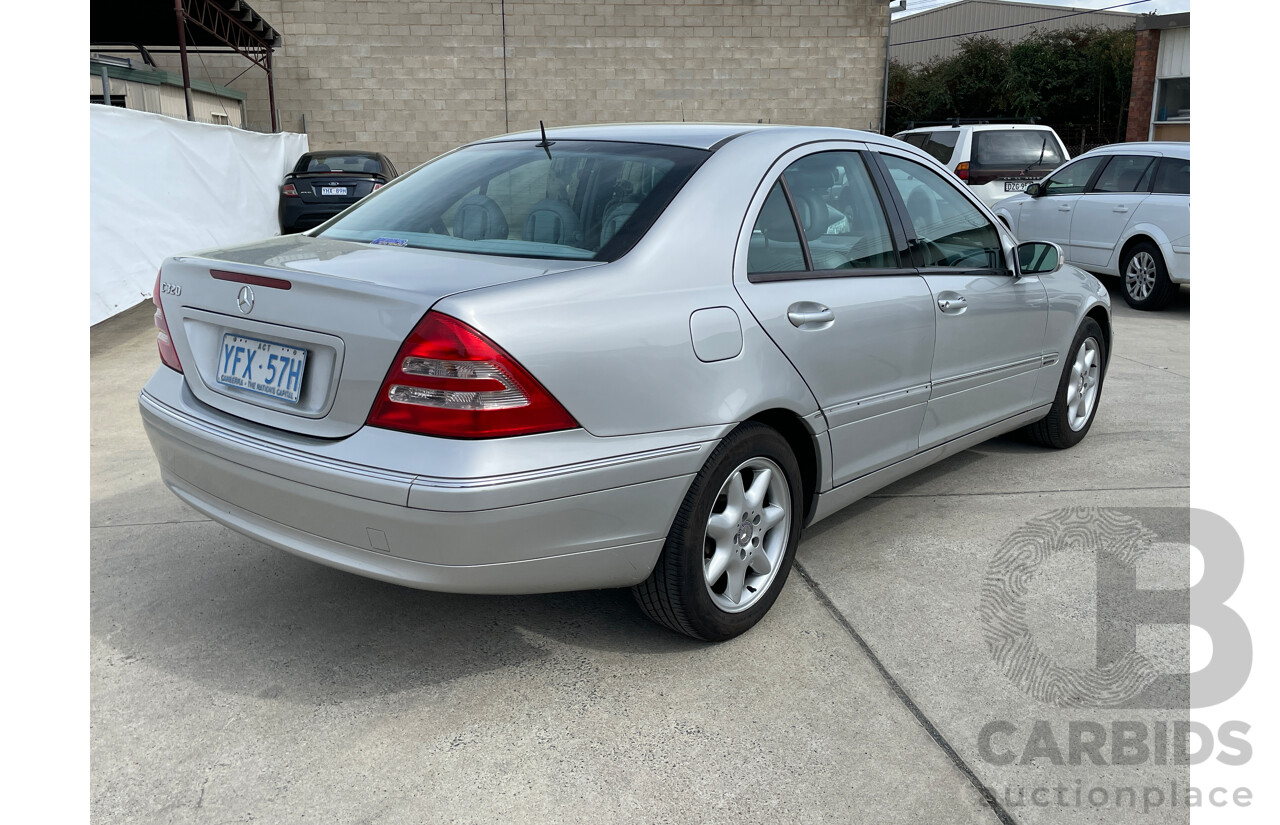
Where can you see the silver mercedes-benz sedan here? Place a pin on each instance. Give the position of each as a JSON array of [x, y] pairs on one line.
[[613, 356]]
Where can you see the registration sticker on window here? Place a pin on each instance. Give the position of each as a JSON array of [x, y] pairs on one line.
[[263, 367], [390, 241]]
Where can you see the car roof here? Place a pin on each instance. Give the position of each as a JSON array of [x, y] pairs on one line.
[[1164, 148], [697, 135], [356, 152], [691, 135], [977, 127]]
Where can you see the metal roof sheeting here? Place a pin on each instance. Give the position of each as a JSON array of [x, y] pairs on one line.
[[976, 15]]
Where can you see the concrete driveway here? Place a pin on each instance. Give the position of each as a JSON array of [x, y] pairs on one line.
[[232, 682]]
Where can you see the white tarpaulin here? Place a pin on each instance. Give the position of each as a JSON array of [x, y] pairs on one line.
[[160, 186]]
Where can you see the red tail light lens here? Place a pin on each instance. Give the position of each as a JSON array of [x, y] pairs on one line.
[[376, 187], [451, 381], [962, 171], [164, 341], [289, 191]]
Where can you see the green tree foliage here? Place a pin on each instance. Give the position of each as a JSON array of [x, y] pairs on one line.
[[1076, 81]]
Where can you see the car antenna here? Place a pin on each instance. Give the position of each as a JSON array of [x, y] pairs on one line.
[[545, 145]]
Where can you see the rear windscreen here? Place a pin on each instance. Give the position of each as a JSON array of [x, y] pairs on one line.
[[574, 200], [340, 163], [1016, 149]]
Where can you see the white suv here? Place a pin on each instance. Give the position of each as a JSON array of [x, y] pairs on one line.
[[1118, 210], [996, 160]]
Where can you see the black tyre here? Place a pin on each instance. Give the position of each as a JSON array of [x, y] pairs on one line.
[[733, 540], [1146, 278], [1079, 391]]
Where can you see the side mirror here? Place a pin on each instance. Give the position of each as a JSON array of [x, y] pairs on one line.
[[1034, 190], [1039, 258]]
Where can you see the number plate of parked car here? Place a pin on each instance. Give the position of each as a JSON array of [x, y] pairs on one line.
[[262, 366], [333, 190], [1015, 185]]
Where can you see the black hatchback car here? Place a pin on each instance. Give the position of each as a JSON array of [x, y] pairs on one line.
[[322, 184]]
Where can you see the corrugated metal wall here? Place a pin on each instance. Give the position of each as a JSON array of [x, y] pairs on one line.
[[169, 100], [976, 15]]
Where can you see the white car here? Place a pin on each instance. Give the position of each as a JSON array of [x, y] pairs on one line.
[[995, 160], [1118, 210]]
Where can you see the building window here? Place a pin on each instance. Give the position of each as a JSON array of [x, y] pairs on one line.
[[116, 100], [220, 119], [1173, 100]]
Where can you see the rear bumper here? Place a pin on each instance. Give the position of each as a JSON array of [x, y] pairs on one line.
[[590, 520], [297, 215]]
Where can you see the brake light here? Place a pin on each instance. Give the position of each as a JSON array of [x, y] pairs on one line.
[[164, 341], [376, 187], [451, 381], [289, 191], [962, 171]]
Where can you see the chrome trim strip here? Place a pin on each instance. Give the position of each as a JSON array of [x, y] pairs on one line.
[[1036, 363], [161, 409], [1049, 359], [876, 399], [177, 417], [552, 472]]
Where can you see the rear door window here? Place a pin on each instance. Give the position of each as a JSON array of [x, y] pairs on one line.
[[917, 139], [837, 205], [775, 240], [1123, 173]]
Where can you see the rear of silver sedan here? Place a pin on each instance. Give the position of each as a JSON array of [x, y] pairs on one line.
[[313, 399]]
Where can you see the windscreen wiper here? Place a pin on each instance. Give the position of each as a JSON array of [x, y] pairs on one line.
[[1044, 142]]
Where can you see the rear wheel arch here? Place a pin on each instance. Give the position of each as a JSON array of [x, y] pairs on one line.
[[790, 426], [1131, 242]]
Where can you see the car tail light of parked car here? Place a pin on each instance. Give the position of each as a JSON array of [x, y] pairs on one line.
[[962, 171], [164, 341], [289, 191], [449, 380]]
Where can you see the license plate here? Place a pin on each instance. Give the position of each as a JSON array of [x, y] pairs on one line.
[[262, 366], [1016, 185], [333, 190]]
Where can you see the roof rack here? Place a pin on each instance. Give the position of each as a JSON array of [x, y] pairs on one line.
[[969, 121]]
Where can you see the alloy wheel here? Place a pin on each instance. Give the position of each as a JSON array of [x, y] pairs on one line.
[[1140, 276], [746, 535], [1083, 385]]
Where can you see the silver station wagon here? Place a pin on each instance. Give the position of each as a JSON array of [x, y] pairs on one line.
[[613, 356]]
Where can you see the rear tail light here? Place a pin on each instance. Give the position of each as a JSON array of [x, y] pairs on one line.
[[376, 187], [289, 191], [451, 381], [164, 341], [962, 171]]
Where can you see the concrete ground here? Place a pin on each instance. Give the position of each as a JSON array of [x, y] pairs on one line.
[[232, 682]]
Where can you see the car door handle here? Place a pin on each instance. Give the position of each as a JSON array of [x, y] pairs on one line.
[[1064, 207], [1121, 209], [952, 304], [810, 315]]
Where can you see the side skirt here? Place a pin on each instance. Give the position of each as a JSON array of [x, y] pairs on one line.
[[840, 497]]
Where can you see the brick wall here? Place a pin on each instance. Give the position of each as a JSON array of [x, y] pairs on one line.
[[417, 78], [1146, 50]]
